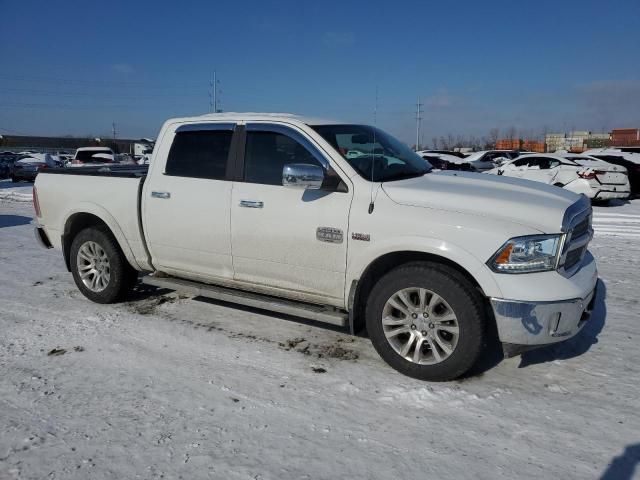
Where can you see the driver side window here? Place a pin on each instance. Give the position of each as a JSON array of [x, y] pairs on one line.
[[266, 153]]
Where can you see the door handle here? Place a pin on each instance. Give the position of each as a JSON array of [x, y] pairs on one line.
[[164, 195], [251, 204]]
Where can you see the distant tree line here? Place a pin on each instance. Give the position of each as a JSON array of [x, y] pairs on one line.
[[484, 142]]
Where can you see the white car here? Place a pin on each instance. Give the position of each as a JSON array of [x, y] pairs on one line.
[[594, 178], [269, 211], [488, 159], [446, 161], [628, 157], [92, 156]]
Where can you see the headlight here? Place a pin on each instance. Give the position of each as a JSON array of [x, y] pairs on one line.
[[535, 253]]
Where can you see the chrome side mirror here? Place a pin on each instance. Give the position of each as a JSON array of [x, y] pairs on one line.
[[302, 175]]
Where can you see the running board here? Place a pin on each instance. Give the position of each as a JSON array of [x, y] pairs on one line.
[[320, 313]]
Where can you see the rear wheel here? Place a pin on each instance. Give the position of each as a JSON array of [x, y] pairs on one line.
[[100, 269], [426, 321]]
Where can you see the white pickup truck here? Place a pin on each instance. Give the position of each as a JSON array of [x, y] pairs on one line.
[[268, 210]]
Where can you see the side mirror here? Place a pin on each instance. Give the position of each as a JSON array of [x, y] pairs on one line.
[[302, 175]]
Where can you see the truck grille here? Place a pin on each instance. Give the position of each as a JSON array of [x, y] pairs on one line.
[[576, 243], [573, 257], [581, 228]]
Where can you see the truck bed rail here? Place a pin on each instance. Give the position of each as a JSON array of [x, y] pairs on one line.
[[127, 171]]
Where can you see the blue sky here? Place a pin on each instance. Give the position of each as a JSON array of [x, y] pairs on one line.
[[75, 67]]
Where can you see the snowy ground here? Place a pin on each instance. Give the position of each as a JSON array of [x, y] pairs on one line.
[[168, 387]]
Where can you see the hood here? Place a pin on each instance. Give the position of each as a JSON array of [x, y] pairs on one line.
[[524, 202]]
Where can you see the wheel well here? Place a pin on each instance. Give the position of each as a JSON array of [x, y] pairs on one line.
[[384, 264], [75, 224]]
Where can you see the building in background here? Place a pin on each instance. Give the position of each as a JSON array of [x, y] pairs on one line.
[[597, 140], [56, 144], [532, 146], [554, 141], [508, 144], [519, 144], [625, 137], [575, 141]]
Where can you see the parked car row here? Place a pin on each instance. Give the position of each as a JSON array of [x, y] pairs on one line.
[[24, 166], [600, 174], [595, 178]]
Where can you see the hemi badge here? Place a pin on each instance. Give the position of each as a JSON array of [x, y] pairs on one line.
[[329, 234], [365, 237]]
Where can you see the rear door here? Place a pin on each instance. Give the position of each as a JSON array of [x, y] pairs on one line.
[[288, 241], [186, 207]]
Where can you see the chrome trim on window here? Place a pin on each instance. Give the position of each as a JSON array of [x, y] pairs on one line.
[[191, 127]]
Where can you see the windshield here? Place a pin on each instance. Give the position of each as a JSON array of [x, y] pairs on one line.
[[374, 154]]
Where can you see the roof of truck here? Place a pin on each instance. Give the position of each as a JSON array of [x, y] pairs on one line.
[[256, 116]]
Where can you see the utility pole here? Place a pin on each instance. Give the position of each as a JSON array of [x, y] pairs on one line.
[[113, 129], [213, 93], [418, 119]]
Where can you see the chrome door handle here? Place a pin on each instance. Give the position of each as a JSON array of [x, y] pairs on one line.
[[164, 195], [251, 204]]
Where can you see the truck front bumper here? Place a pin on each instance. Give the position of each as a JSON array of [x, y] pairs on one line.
[[523, 325]]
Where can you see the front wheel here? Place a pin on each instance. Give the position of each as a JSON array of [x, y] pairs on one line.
[[426, 321], [100, 269]]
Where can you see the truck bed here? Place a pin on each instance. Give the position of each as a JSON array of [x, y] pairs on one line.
[[110, 193]]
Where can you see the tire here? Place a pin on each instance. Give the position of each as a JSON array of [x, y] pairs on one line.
[[116, 276], [457, 296]]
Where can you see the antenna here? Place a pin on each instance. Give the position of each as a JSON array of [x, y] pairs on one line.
[[418, 119], [373, 151]]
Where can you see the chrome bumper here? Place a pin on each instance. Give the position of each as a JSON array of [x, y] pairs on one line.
[[541, 323]]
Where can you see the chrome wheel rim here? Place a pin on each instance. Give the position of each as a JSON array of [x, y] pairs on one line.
[[420, 326], [93, 266]]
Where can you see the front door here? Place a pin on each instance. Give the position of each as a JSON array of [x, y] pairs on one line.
[[285, 240], [186, 210]]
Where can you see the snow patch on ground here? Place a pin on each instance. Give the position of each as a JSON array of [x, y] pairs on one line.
[[15, 192], [609, 223], [168, 386]]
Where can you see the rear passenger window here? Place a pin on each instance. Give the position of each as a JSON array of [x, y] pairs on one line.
[[199, 154], [266, 153]]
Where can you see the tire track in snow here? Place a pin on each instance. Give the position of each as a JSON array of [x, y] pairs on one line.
[[616, 224]]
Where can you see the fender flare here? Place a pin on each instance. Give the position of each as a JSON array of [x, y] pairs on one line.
[[431, 246], [109, 220]]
